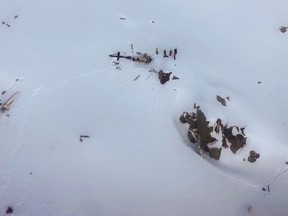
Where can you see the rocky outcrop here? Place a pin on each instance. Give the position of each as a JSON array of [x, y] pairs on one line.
[[236, 141], [200, 134], [253, 156]]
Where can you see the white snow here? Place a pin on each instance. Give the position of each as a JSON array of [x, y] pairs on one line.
[[137, 161]]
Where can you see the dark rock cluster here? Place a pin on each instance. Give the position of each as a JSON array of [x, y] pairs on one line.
[[200, 133], [236, 141], [253, 156]]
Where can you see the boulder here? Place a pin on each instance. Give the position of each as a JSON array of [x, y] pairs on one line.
[[253, 156], [204, 131], [215, 153]]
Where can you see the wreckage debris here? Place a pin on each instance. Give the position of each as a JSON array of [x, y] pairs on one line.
[[175, 78], [153, 70], [283, 29], [267, 188], [221, 100], [164, 77], [9, 210], [253, 156], [5, 106], [136, 77], [83, 136], [139, 57]]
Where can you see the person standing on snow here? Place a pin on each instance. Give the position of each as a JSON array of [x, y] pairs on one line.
[[164, 52], [175, 53]]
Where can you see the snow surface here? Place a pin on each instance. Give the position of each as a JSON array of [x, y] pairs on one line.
[[136, 161]]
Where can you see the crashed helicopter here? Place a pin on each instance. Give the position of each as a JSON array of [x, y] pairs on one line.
[[139, 57]]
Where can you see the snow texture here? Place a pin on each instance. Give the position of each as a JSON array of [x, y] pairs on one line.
[[136, 160]]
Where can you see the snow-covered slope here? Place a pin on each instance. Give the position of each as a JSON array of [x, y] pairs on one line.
[[136, 161]]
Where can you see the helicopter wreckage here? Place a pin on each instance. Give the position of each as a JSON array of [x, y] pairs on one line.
[[139, 57]]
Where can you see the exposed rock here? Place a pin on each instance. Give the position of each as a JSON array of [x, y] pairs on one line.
[[253, 156], [193, 125], [200, 133], [192, 136], [237, 141], [164, 77], [184, 118], [221, 100], [203, 129], [215, 153], [240, 141], [187, 117], [228, 134], [224, 142], [242, 131], [175, 78]]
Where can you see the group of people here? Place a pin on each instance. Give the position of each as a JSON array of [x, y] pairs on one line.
[[171, 53]]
